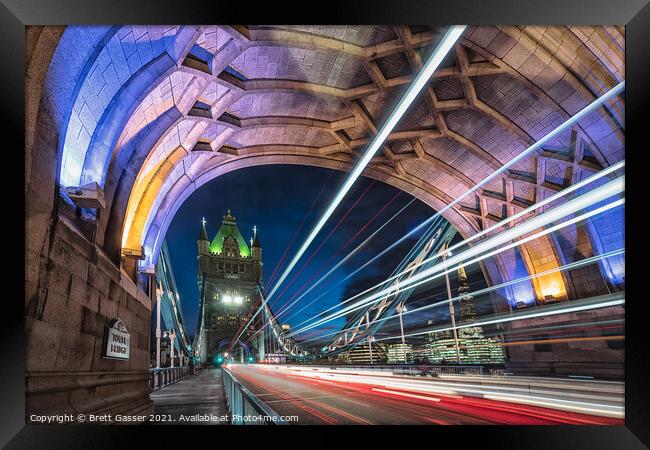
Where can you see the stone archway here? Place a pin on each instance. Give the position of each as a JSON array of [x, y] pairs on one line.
[[195, 101]]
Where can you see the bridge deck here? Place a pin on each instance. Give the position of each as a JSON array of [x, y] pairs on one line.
[[194, 400]]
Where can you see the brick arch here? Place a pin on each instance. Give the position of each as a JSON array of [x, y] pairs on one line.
[[173, 199], [134, 178], [74, 277]]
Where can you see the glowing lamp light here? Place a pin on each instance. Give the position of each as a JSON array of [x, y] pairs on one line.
[[238, 300], [552, 290], [227, 299]]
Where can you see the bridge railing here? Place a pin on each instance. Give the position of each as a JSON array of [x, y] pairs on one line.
[[244, 406], [159, 378]]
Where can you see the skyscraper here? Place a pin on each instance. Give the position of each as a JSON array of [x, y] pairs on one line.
[[474, 347], [229, 274]]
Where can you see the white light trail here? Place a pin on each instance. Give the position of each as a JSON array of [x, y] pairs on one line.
[[404, 394], [537, 145], [585, 200], [592, 397], [480, 258], [606, 301], [443, 47], [339, 264], [561, 128], [332, 270], [570, 266], [496, 226]]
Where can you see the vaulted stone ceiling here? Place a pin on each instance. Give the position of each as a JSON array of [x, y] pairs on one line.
[[235, 96]]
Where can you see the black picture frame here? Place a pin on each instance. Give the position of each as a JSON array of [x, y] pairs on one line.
[[635, 14]]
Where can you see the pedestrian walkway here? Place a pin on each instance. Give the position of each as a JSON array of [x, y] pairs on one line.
[[197, 399]]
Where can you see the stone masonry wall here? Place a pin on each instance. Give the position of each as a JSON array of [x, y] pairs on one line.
[[77, 290], [71, 288]]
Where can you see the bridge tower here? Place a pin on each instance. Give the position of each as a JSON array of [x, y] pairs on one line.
[[229, 273]]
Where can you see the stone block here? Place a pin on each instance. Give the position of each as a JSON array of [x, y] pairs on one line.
[[76, 351], [51, 403], [68, 232], [109, 392], [86, 400], [93, 298], [55, 309], [79, 290], [124, 314], [42, 345], [66, 255], [59, 278], [92, 323], [116, 292], [98, 279], [107, 307]]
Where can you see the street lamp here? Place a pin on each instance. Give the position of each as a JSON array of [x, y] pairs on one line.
[[159, 296], [452, 313], [401, 308], [172, 338], [370, 339]]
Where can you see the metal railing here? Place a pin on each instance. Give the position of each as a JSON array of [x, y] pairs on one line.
[[244, 407], [159, 378]]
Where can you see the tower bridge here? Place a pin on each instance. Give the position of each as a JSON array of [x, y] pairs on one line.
[[514, 136]]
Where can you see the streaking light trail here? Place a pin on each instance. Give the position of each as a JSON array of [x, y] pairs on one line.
[[347, 257], [363, 303], [494, 227], [281, 312], [588, 199], [551, 310], [537, 145], [445, 45], [487, 290]]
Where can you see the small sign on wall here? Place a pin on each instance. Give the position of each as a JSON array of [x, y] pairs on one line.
[[117, 341]]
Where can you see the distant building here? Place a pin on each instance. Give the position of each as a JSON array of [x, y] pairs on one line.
[[363, 354], [399, 353], [473, 346], [229, 273]]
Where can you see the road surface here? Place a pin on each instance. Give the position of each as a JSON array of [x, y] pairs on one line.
[[334, 398]]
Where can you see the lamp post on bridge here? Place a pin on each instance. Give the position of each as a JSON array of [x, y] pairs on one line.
[[158, 330], [452, 313], [172, 338], [370, 339], [401, 308]]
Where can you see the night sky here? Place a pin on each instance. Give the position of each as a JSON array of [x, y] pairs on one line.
[[277, 199]]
